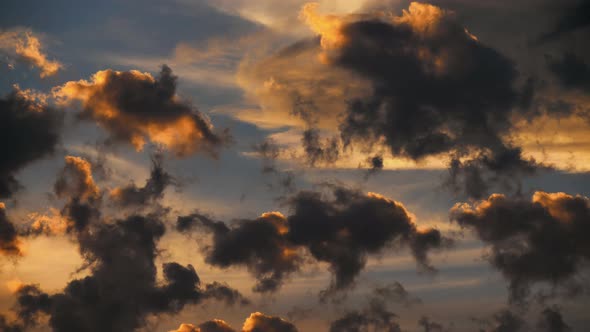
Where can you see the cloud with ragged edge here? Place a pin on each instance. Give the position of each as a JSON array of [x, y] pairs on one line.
[[23, 45], [538, 241], [134, 108], [10, 244], [75, 184], [341, 229], [410, 83], [29, 131]]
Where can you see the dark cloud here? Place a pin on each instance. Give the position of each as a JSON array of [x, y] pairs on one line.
[[9, 242], [552, 321], [395, 293], [575, 16], [133, 106], [121, 290], [269, 151], [430, 326], [549, 320], [260, 245], [477, 176], [341, 229], [507, 321], [317, 151], [153, 190], [541, 240], [83, 199], [375, 317], [28, 131], [8, 326], [571, 71]]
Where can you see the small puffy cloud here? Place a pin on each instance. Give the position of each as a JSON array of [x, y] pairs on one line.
[[22, 45], [134, 107]]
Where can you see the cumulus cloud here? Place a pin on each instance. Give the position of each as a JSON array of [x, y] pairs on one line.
[[28, 131], [341, 229], [22, 45], [257, 322], [541, 240], [121, 289], [410, 83], [134, 107]]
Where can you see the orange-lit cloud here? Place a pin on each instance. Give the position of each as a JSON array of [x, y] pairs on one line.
[[135, 107], [25, 46], [77, 180]]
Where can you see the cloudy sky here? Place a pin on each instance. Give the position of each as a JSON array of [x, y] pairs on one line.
[[281, 166]]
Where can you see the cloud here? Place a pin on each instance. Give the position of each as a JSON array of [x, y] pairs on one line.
[[76, 185], [541, 240], [134, 107], [341, 229], [9, 240], [257, 322], [574, 17], [374, 317], [571, 71], [410, 83], [133, 196], [28, 131], [549, 320], [22, 45], [121, 289]]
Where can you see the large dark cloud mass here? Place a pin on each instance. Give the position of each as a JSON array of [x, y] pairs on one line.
[[121, 290], [28, 131], [133, 106], [341, 229], [543, 240]]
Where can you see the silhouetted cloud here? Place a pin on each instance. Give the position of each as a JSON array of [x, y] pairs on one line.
[[28, 131], [133, 196], [319, 152], [430, 326], [9, 241], [541, 240], [341, 229], [552, 321], [571, 71], [575, 16], [121, 289], [75, 184], [134, 107]]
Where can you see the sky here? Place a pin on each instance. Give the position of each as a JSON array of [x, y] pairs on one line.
[[266, 166]]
